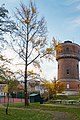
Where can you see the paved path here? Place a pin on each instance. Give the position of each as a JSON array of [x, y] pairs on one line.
[[62, 116]]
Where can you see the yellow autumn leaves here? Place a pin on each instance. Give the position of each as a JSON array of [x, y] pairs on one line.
[[6, 89], [52, 88], [27, 11]]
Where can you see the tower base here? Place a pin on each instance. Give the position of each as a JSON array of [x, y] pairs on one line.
[[71, 86]]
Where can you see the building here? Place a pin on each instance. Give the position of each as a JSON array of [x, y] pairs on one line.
[[35, 86], [2, 86], [68, 57]]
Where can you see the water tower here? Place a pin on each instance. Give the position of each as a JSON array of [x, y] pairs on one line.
[[68, 57]]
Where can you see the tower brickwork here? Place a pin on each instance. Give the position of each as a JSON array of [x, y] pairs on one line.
[[68, 57]]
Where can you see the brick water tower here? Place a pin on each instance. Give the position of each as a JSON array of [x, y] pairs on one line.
[[68, 57]]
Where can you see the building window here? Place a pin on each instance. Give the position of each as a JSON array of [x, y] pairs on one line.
[[68, 86], [67, 71], [1, 93]]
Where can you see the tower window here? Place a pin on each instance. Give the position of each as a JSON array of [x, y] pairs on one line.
[[77, 66], [68, 86], [67, 71], [67, 49]]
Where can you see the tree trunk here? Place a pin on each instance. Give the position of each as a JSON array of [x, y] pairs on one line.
[[7, 104], [26, 69]]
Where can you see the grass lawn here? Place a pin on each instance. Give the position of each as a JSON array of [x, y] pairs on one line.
[[37, 115], [77, 97], [24, 115]]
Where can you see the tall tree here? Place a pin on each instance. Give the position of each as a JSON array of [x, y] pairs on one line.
[[32, 37], [29, 39]]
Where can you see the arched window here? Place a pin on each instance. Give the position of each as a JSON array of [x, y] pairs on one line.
[[67, 71]]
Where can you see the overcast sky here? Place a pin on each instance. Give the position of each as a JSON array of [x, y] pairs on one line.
[[63, 21]]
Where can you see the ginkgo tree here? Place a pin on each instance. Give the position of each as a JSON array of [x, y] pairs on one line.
[[28, 39]]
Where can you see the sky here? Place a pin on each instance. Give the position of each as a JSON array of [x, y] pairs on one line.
[[62, 20]]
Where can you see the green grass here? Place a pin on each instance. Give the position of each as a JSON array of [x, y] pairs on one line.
[[24, 115], [65, 97], [75, 112], [77, 97], [21, 105]]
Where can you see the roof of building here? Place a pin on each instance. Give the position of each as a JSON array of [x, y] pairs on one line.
[[33, 94], [68, 41]]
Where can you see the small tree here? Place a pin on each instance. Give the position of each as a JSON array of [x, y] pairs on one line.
[[13, 85], [10, 81], [52, 88]]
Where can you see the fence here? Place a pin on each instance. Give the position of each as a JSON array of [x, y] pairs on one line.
[[11, 100]]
